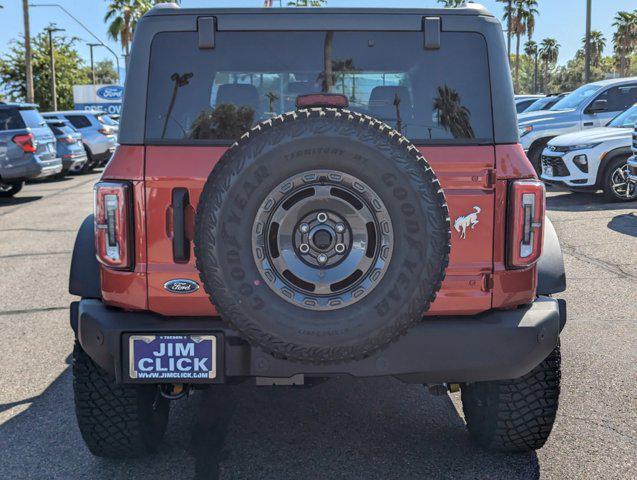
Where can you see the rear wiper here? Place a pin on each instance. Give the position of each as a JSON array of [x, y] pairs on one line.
[[180, 81]]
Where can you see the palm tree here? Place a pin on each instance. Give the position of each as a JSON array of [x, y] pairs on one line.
[[625, 38], [451, 114], [549, 52], [124, 15], [523, 22], [597, 45], [531, 50], [451, 3], [508, 17]]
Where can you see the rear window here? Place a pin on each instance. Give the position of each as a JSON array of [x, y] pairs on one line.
[[437, 96], [62, 129], [32, 117], [10, 119]]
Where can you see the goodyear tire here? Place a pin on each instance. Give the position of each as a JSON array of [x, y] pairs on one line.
[[322, 235], [515, 415], [116, 421]]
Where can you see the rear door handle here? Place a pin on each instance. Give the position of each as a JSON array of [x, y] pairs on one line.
[[588, 124], [181, 244]]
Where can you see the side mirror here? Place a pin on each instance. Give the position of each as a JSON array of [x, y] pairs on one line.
[[598, 106]]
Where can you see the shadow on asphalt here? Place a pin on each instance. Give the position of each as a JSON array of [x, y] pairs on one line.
[[343, 429], [626, 224], [11, 201], [585, 202]]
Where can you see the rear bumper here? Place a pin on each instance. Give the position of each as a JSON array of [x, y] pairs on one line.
[[32, 168], [74, 163], [492, 346]]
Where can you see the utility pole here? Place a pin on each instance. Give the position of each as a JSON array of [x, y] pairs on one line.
[[91, 46], [50, 30], [587, 46], [27, 51]]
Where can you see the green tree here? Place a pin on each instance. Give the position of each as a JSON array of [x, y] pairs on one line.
[[69, 66], [625, 39], [532, 52], [598, 43], [549, 53], [123, 16], [508, 18], [523, 22], [105, 72]]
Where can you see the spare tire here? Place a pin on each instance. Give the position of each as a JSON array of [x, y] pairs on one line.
[[322, 235]]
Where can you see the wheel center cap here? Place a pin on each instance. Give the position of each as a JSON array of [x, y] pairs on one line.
[[322, 239]]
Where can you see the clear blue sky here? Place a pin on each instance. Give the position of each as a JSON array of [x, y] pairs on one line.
[[561, 19]]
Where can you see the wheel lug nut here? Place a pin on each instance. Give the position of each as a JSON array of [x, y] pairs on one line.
[[304, 248], [322, 217], [304, 228], [322, 258], [340, 228], [340, 248]]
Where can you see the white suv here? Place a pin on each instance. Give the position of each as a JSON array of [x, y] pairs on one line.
[[594, 159]]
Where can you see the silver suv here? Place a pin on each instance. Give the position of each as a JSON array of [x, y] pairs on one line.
[[28, 147], [99, 133], [592, 105], [632, 161]]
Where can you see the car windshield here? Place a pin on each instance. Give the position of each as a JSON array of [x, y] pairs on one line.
[[541, 104], [32, 117], [106, 120], [625, 119], [575, 98]]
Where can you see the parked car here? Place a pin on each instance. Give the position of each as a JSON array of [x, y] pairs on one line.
[[30, 147], [321, 234], [592, 105], [545, 103], [98, 137], [69, 146], [523, 102], [632, 161], [594, 159]]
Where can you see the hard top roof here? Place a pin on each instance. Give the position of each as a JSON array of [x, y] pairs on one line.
[[469, 8]]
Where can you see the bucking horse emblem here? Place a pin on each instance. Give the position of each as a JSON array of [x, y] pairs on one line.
[[468, 221]]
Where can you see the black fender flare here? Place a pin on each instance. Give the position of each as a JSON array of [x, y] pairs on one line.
[[84, 279], [551, 276]]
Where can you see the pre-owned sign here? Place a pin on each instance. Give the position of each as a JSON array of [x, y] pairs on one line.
[[98, 97]]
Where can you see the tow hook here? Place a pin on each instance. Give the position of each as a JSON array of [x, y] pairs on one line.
[[440, 389], [173, 391]]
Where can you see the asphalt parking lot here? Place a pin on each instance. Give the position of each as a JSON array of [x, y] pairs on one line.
[[343, 429]]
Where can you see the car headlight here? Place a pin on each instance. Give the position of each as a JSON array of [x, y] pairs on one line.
[[525, 130], [581, 146]]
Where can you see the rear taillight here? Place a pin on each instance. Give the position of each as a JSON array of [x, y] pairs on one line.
[[113, 224], [67, 139], [525, 222], [106, 131], [26, 142]]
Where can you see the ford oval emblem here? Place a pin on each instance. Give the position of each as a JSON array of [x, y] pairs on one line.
[[181, 285], [111, 92]]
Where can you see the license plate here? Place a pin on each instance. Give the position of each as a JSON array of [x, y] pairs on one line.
[[172, 357]]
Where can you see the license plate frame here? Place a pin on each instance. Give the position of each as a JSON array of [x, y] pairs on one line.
[[132, 374]]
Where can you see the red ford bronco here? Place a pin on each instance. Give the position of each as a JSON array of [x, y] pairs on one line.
[[305, 193]]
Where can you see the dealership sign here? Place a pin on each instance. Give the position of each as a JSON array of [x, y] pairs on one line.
[[98, 97]]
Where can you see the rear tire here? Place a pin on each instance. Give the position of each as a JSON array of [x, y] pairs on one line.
[[514, 415], [89, 165], [8, 190], [535, 155], [615, 183], [116, 421]]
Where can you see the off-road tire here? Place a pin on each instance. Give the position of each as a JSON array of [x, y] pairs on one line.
[[10, 192], [116, 421], [606, 181], [514, 415], [256, 166]]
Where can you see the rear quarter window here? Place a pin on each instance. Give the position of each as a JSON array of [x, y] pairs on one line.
[[78, 121], [431, 96]]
